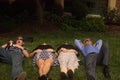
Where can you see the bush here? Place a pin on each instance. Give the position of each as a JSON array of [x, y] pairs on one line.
[[51, 17], [112, 16], [86, 24], [92, 24], [69, 23]]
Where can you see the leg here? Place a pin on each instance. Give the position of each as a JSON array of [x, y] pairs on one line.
[[15, 59], [63, 60], [72, 65], [63, 73], [44, 68], [47, 65], [17, 69], [40, 64], [103, 57], [91, 66], [5, 56]]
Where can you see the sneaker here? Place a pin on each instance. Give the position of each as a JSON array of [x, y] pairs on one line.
[[89, 77], [106, 73], [21, 76]]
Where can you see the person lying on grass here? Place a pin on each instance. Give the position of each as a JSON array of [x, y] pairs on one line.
[[97, 53], [13, 53], [68, 60], [45, 58]]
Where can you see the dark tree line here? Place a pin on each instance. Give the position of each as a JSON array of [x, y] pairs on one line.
[[31, 7]]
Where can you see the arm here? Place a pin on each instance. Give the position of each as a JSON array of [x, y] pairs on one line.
[[79, 44], [72, 50], [98, 44], [34, 52], [6, 44], [50, 50], [24, 51]]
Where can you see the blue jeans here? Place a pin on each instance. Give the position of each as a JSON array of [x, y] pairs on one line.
[[14, 58]]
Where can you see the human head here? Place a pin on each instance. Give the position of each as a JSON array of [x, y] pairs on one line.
[[20, 37], [20, 41], [87, 42], [66, 43]]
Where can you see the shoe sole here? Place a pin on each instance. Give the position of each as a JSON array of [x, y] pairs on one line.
[[90, 77], [22, 76]]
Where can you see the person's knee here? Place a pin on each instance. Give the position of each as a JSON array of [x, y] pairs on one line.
[[48, 64], [40, 63], [105, 45], [49, 60]]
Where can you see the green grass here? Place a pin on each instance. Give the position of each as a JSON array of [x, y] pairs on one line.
[[57, 38]]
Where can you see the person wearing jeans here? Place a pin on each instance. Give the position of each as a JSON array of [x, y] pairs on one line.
[[103, 59], [13, 53], [94, 54]]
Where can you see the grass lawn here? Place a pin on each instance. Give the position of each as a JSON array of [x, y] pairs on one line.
[[57, 38]]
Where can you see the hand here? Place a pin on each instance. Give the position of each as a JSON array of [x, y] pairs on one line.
[[10, 43], [18, 46], [50, 50]]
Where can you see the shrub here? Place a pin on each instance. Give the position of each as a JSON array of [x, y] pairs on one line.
[[112, 16], [69, 23], [92, 24], [50, 17], [86, 24]]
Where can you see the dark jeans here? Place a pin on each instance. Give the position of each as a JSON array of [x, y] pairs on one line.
[[103, 56], [100, 59], [13, 58], [90, 64]]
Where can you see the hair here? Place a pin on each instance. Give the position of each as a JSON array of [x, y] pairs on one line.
[[86, 40], [20, 38]]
